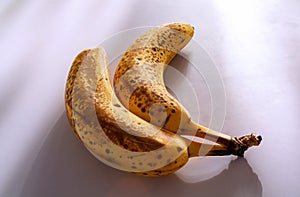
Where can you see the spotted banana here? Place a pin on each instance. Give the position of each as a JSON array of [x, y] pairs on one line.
[[113, 134], [139, 84]]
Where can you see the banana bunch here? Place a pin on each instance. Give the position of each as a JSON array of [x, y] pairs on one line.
[[137, 128]]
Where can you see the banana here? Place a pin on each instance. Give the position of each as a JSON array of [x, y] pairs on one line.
[[98, 119], [113, 134], [139, 84]]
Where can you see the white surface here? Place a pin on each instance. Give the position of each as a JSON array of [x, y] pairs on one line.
[[254, 44]]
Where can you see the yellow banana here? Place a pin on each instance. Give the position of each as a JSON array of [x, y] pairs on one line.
[[114, 135], [139, 84], [99, 121]]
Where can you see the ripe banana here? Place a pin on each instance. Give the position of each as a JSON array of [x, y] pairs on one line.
[[114, 135], [139, 84]]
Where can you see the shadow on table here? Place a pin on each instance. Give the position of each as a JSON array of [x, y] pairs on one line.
[[65, 168]]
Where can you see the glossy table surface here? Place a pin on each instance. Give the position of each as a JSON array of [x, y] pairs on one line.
[[251, 46]]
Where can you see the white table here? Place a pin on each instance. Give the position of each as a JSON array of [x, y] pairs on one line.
[[254, 44]]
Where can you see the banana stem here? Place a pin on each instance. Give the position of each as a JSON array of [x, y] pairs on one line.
[[239, 145], [236, 146], [213, 136], [196, 149], [194, 129], [224, 144]]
